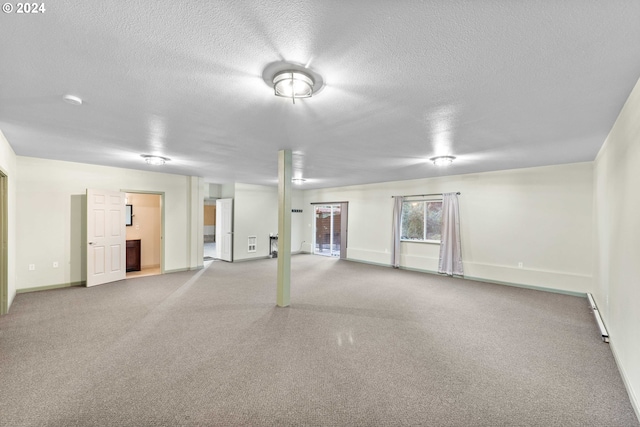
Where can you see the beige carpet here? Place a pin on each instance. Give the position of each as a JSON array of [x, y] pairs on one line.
[[360, 346]]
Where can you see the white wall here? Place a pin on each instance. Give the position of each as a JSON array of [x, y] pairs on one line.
[[212, 191], [298, 222], [227, 191], [8, 168], [538, 216], [617, 219], [51, 226], [256, 214]]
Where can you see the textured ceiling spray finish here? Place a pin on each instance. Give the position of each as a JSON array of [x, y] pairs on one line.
[[500, 85]]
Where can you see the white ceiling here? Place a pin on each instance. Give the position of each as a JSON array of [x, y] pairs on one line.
[[499, 84]]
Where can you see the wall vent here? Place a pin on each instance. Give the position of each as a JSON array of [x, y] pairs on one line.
[[296, 210], [252, 243]]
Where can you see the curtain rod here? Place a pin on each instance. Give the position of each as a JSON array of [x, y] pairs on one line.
[[423, 195], [327, 203]]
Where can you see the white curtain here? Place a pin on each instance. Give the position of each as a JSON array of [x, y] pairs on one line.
[[397, 219], [450, 249]]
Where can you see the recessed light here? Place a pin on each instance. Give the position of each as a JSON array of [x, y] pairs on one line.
[[72, 99], [155, 160], [442, 160]]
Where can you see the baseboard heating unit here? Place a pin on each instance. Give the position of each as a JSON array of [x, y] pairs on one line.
[[596, 313]]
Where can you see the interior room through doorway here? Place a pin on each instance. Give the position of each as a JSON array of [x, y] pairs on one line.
[[144, 234]]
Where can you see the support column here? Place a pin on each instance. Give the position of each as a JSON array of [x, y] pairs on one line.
[[284, 227], [195, 186]]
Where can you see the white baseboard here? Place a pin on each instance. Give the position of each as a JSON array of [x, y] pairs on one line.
[[481, 279], [49, 287], [566, 282]]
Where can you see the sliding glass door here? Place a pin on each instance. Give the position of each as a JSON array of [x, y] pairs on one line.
[[328, 237]]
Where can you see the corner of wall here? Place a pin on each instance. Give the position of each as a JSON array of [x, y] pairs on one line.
[[8, 166], [616, 209]]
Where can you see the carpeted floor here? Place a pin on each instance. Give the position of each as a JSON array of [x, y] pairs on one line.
[[360, 346]]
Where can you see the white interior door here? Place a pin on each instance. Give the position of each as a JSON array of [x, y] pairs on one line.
[[106, 237], [224, 229]]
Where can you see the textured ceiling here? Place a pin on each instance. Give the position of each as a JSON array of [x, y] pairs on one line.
[[499, 84]]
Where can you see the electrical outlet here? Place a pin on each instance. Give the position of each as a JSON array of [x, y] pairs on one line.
[[32, 267], [55, 264], [520, 265]]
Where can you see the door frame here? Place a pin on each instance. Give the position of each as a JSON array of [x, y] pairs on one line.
[[162, 204], [4, 244], [344, 226]]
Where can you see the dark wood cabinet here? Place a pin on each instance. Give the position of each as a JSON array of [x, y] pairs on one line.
[[133, 255]]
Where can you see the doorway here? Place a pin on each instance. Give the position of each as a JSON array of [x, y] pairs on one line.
[[4, 247], [330, 230], [224, 229], [145, 231], [209, 229]]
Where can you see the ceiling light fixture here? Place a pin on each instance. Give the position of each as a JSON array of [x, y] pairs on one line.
[[293, 84], [72, 99], [298, 181], [292, 80], [155, 160], [442, 160]]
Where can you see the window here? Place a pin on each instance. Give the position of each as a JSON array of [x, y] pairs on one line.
[[421, 221]]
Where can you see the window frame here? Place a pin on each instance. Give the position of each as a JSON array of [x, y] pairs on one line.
[[427, 241]]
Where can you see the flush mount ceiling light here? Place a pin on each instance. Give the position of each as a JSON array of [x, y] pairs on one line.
[[72, 99], [293, 84], [298, 181], [442, 160], [155, 160], [293, 81]]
